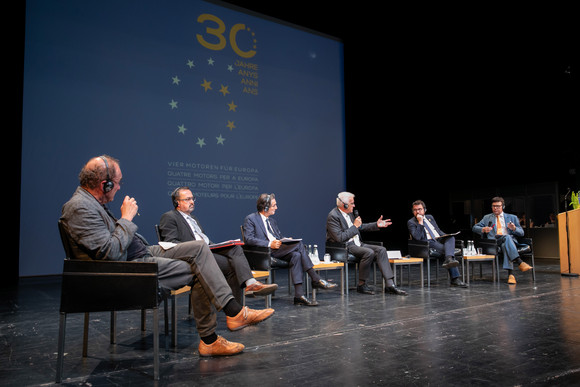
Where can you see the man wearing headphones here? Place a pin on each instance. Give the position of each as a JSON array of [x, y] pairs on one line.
[[505, 228], [180, 225], [424, 228], [343, 226], [260, 229], [96, 233]]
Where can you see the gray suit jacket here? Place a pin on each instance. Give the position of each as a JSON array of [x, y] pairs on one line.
[[337, 229], [94, 233]]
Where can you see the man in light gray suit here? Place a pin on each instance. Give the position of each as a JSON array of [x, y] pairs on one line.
[[96, 234], [505, 228]]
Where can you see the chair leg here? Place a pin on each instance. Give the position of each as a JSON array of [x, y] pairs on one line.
[[113, 331], [85, 334], [173, 322], [156, 344], [60, 357]]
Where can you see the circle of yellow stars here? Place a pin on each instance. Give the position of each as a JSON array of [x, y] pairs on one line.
[[207, 86]]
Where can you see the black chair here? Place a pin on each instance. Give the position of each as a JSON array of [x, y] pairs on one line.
[[524, 245], [99, 286], [421, 249], [260, 258], [172, 296], [339, 252]]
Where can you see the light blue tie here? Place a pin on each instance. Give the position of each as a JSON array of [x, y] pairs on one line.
[[196, 229]]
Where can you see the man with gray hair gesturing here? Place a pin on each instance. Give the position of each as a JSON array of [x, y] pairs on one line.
[[344, 226]]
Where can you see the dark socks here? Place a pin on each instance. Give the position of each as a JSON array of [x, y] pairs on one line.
[[298, 290], [209, 339], [313, 275], [232, 308]]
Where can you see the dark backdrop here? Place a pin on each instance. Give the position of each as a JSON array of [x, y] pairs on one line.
[[458, 82]]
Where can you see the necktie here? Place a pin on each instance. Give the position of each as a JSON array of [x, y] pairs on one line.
[[270, 228], [498, 225], [197, 230], [428, 227]]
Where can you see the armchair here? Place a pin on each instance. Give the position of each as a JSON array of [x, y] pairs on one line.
[[97, 286], [421, 249], [525, 249]]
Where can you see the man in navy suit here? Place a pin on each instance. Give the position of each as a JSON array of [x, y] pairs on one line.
[[505, 228], [424, 228], [260, 229], [180, 225]]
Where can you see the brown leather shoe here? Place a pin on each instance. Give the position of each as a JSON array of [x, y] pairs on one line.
[[220, 347], [524, 267], [260, 289], [247, 317], [512, 279]]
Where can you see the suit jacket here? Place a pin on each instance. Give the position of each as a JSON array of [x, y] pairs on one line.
[[255, 231], [94, 233], [337, 229], [174, 228], [418, 231], [491, 218]]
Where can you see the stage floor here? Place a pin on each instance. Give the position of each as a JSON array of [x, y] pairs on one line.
[[489, 334]]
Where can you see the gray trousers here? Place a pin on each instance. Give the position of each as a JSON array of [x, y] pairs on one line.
[[192, 263], [368, 254]]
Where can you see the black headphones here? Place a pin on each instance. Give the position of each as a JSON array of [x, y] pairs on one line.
[[109, 185], [267, 204], [345, 204]]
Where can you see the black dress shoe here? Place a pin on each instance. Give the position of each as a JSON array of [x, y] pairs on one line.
[[322, 284], [459, 283], [364, 289], [450, 262], [394, 290], [302, 300]]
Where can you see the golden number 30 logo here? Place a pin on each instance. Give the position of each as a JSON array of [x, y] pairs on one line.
[[216, 28]]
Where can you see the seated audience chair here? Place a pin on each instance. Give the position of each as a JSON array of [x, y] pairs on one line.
[[421, 249], [97, 286]]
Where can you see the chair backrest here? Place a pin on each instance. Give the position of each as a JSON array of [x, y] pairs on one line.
[[95, 286], [157, 233], [71, 250]]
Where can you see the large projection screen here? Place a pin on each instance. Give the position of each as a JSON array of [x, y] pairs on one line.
[[192, 93]]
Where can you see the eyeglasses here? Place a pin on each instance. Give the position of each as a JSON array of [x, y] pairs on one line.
[[191, 199]]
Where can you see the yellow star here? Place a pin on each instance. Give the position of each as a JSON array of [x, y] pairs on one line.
[[232, 106], [206, 85], [231, 125], [224, 90]]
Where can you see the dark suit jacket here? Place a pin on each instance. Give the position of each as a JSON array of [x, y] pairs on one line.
[[418, 231], [337, 229], [255, 231], [174, 228]]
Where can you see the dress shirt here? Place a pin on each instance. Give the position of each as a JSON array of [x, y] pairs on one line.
[[197, 233], [271, 237], [356, 238]]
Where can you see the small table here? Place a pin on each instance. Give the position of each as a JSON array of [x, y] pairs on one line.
[[406, 262], [327, 266], [482, 258]]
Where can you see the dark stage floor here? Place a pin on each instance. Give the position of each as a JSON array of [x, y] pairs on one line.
[[489, 334]]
